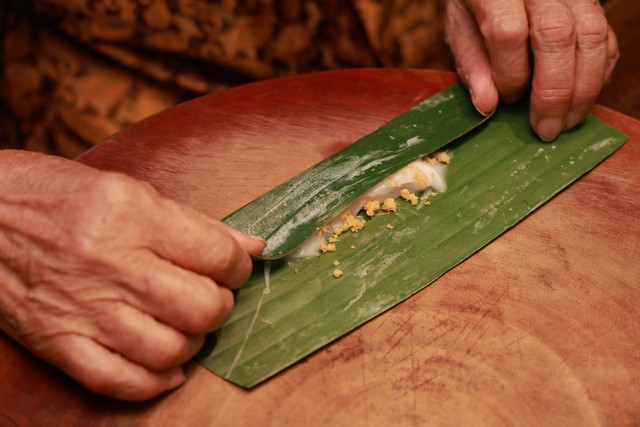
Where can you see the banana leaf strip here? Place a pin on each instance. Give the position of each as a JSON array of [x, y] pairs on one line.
[[499, 174]]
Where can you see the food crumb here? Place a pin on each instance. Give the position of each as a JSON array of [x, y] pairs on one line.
[[389, 226], [337, 273], [409, 196], [353, 246], [371, 207], [327, 248], [430, 160], [336, 263], [389, 205], [442, 157]]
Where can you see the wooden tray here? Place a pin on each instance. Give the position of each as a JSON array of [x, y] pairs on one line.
[[541, 327]]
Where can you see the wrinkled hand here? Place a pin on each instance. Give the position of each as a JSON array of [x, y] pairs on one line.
[[107, 280], [573, 52]]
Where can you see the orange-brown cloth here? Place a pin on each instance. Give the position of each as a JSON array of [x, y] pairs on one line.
[[75, 72]]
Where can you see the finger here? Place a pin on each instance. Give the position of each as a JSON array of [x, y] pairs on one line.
[[143, 340], [108, 373], [505, 31], [592, 33], [472, 60], [553, 40], [189, 302], [613, 54], [200, 244], [253, 245]]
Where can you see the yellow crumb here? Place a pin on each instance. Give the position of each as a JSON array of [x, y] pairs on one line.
[[390, 227], [389, 205], [353, 246], [371, 207], [442, 157], [324, 229], [327, 248], [430, 160], [336, 263], [351, 223], [337, 273], [427, 203], [333, 239], [409, 196]]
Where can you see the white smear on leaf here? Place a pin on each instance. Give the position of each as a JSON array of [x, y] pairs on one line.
[[433, 101], [601, 144], [412, 141], [265, 291]]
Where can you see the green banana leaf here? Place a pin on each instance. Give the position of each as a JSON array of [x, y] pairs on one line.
[[499, 174]]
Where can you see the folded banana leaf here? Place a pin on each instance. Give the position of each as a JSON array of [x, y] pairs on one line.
[[498, 175], [286, 216]]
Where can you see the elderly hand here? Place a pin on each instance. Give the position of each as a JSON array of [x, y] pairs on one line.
[[105, 279], [573, 51]]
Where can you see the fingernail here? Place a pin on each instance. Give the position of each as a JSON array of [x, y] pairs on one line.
[[478, 109], [256, 238], [485, 99], [573, 119], [549, 129]]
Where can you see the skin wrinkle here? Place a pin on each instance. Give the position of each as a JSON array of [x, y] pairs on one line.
[[40, 299]]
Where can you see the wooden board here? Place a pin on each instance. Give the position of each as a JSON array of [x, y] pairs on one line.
[[541, 327]]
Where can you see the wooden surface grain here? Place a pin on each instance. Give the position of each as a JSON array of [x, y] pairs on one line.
[[541, 327]]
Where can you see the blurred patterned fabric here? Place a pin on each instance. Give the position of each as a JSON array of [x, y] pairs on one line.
[[75, 72]]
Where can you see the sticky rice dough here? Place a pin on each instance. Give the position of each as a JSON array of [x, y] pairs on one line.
[[422, 176]]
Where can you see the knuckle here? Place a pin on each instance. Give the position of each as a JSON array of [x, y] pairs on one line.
[[592, 29], [556, 28], [554, 97], [113, 200], [504, 31], [113, 188]]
